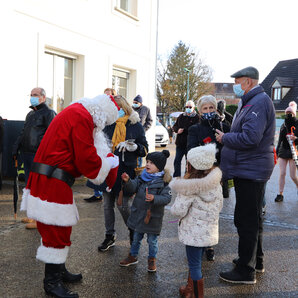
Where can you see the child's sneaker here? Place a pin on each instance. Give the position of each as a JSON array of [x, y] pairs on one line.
[[130, 260], [151, 264]]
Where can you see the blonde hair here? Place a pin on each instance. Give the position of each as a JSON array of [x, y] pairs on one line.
[[122, 103], [113, 91]]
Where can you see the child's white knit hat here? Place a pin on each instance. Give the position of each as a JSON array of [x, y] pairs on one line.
[[202, 157]]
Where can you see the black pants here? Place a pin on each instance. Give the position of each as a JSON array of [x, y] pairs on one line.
[[248, 220]]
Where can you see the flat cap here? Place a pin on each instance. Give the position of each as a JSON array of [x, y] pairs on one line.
[[249, 72]]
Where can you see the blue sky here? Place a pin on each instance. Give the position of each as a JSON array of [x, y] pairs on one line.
[[231, 34]]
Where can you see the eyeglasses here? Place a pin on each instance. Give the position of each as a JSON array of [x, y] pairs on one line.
[[188, 107]]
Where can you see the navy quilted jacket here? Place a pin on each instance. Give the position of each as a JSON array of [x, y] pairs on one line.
[[248, 147]]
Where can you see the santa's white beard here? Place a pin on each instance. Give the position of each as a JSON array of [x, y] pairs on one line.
[[101, 143]]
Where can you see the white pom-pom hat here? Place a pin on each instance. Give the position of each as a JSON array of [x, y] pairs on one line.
[[202, 157], [292, 108]]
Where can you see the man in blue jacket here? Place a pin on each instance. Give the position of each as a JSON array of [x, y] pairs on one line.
[[247, 157]]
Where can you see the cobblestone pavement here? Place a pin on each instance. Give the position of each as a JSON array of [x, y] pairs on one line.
[[21, 274]]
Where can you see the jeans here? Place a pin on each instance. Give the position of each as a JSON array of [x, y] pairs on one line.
[[28, 161], [140, 162], [151, 240], [194, 258], [180, 152], [109, 212], [248, 220]]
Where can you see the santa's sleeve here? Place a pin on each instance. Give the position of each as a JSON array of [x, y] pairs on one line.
[[86, 159]]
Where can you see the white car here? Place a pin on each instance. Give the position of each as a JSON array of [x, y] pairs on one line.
[[161, 135]]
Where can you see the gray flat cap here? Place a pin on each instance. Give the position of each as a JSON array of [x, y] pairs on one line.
[[249, 72]]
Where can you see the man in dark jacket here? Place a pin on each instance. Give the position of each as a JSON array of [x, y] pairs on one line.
[[143, 111], [36, 123], [248, 158], [183, 122]]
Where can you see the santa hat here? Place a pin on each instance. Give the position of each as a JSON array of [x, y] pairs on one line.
[[103, 109], [292, 108], [202, 157]]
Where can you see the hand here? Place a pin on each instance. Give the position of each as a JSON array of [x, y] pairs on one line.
[[293, 138], [121, 146], [131, 147], [113, 160], [180, 130], [125, 177], [149, 197], [218, 135]]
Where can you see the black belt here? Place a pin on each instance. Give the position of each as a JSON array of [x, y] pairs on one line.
[[52, 171]]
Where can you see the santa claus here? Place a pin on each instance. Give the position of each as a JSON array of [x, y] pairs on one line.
[[73, 145]]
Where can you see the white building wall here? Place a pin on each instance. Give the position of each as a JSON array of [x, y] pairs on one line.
[[99, 36]]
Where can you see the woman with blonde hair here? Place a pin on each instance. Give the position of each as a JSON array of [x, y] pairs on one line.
[[128, 142]]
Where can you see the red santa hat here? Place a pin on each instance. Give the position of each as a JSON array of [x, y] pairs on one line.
[[292, 108]]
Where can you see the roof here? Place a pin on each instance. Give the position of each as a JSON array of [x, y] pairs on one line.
[[286, 72]]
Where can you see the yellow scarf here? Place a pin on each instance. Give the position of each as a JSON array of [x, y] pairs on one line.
[[119, 131]]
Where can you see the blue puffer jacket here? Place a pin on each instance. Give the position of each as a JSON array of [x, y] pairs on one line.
[[248, 147]]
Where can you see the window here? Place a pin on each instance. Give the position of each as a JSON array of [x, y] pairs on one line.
[[276, 93], [120, 82], [59, 80], [128, 7]]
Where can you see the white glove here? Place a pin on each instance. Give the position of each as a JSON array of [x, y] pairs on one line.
[[114, 161], [121, 146], [131, 147]]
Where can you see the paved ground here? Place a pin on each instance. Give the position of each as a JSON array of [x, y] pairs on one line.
[[21, 275]]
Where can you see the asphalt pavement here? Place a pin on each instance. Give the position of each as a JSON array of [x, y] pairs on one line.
[[21, 274]]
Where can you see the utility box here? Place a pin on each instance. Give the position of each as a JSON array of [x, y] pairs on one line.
[[11, 131]]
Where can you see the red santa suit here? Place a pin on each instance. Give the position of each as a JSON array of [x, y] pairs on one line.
[[74, 142]]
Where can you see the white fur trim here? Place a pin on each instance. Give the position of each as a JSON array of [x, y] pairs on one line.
[[101, 108], [49, 213], [196, 186], [52, 255], [103, 172], [134, 117]]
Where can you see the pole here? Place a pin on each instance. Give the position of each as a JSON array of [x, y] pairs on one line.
[[187, 94]]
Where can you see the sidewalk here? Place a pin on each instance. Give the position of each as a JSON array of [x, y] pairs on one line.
[[21, 274]]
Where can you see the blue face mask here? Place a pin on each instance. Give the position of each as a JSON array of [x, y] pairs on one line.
[[121, 113], [34, 101], [135, 105], [238, 90], [208, 116], [188, 110]]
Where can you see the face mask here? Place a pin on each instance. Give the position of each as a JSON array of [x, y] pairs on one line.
[[188, 110], [208, 116], [121, 113], [135, 105], [290, 119], [238, 90], [34, 101]]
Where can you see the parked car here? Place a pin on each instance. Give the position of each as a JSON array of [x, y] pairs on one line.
[[161, 135]]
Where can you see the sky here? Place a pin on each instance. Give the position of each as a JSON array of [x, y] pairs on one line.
[[229, 35]]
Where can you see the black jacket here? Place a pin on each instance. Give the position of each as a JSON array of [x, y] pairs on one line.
[[283, 149], [145, 116], [128, 160], [204, 132], [36, 123], [184, 121]]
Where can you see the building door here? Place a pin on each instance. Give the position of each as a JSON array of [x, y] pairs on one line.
[[59, 80]]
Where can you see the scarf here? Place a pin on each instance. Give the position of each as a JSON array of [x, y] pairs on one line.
[[119, 134], [149, 177]]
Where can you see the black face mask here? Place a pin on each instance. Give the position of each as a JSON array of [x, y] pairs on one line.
[[290, 120]]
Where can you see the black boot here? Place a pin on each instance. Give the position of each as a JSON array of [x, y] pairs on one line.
[[131, 231], [53, 282], [69, 277]]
